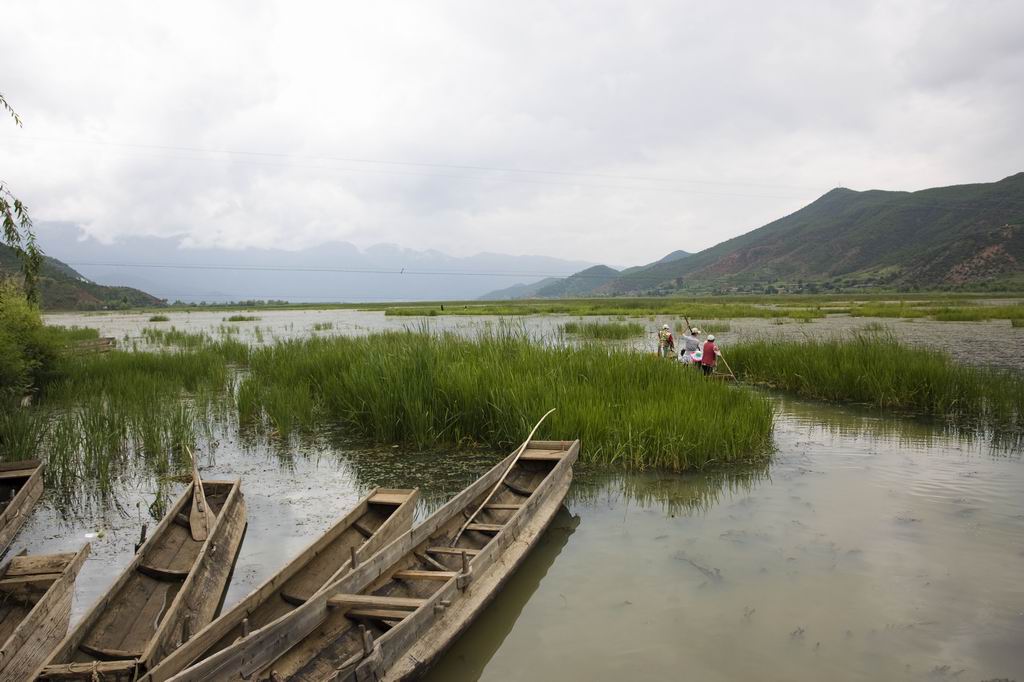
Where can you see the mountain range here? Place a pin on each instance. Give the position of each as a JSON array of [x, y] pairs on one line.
[[331, 272], [63, 288], [958, 237]]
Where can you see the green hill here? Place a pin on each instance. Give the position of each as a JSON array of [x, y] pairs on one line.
[[62, 288], [583, 283], [964, 236]]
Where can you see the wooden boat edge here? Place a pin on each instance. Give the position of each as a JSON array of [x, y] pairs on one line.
[[393, 645], [17, 512], [32, 624], [399, 522], [461, 616]]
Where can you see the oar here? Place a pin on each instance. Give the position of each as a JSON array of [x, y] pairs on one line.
[[519, 452], [198, 517], [728, 367], [688, 326]]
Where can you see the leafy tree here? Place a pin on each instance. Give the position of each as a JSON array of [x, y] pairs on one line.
[[17, 226]]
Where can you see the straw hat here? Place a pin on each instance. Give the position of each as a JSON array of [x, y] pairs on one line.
[[696, 331], [664, 326], [711, 337]]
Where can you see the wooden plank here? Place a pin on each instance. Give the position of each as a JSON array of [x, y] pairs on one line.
[[28, 465], [457, 551], [17, 510], [503, 507], [390, 497], [344, 601], [15, 473], [543, 455], [34, 565], [377, 614], [486, 527], [38, 581], [424, 575], [363, 530]]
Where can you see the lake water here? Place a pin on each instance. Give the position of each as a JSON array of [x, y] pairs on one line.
[[869, 548]]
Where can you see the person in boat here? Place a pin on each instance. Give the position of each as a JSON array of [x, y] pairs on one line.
[[691, 344], [666, 344], [709, 355]]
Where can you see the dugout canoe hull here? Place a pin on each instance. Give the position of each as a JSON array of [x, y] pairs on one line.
[[171, 589], [21, 486], [396, 613], [375, 521], [35, 608]]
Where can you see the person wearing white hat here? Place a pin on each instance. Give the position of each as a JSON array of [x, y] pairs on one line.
[[709, 356], [666, 344], [691, 344]]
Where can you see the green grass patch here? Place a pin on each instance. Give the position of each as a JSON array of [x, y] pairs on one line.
[[604, 330], [875, 369], [1017, 322], [241, 318], [427, 391], [322, 326], [159, 318]]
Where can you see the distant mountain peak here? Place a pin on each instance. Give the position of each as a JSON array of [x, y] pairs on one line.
[[674, 256]]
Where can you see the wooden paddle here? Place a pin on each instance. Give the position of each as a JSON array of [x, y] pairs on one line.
[[728, 367], [519, 453], [199, 515]]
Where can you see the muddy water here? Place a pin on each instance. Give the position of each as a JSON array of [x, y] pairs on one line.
[[993, 342], [870, 548]]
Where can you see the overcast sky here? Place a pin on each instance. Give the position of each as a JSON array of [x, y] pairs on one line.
[[646, 126]]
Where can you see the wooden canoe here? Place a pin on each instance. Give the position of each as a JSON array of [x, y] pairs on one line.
[[376, 520], [21, 486], [396, 613], [172, 588], [35, 608]]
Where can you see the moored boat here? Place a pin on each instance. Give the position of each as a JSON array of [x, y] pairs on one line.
[[171, 589], [21, 486], [392, 616], [35, 608], [376, 520]]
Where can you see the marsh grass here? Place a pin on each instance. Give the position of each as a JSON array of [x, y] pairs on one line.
[[431, 391], [159, 318], [673, 307], [241, 318], [1017, 322], [604, 330], [875, 369], [322, 326]]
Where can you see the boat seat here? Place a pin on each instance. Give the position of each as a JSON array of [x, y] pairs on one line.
[[503, 507], [170, 575], [346, 601], [486, 527], [457, 551], [442, 576], [542, 455], [392, 499]]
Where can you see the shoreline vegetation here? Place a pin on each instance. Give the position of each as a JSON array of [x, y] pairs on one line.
[[101, 418], [873, 368]]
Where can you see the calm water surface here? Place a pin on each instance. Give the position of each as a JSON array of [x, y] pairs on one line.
[[869, 549]]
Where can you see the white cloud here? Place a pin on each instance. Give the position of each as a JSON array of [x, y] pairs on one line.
[[750, 110]]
